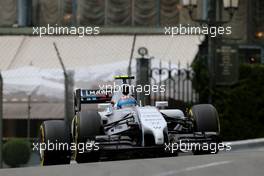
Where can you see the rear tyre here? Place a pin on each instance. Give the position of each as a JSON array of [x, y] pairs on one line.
[[87, 127], [51, 133], [206, 120]]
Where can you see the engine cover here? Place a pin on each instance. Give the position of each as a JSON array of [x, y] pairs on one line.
[[152, 122]]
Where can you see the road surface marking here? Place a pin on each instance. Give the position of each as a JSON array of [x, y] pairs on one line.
[[169, 173]]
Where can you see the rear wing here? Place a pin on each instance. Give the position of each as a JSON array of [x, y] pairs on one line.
[[90, 96], [124, 78]]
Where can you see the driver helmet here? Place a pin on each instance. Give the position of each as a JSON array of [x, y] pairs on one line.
[[126, 100]]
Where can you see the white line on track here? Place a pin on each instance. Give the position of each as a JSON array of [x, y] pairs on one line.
[[173, 172]]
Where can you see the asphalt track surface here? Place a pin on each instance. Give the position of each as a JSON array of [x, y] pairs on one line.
[[248, 162]]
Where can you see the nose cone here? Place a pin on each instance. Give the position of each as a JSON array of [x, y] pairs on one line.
[[153, 123]]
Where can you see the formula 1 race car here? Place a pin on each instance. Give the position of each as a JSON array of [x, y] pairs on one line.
[[112, 130]]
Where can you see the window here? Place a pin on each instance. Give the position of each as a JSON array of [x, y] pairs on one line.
[[259, 15]]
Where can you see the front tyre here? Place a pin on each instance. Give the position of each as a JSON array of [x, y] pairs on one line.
[[206, 120], [87, 125]]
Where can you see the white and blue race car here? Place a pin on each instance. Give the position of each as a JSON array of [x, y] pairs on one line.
[[131, 130]]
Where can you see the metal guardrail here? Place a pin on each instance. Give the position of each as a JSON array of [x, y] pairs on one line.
[[246, 144]]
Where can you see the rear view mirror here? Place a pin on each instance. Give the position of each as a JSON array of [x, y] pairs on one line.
[[103, 106], [161, 104]]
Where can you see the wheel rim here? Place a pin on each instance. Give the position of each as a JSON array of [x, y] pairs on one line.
[[42, 140], [76, 135]]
